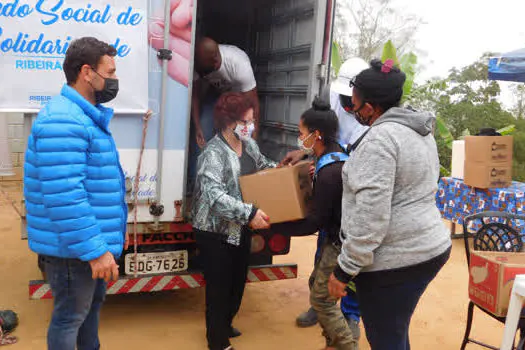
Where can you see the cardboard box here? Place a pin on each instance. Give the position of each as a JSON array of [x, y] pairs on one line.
[[482, 175], [492, 277], [489, 149], [283, 194]]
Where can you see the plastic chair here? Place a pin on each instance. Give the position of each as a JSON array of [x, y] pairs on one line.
[[496, 237], [517, 300]]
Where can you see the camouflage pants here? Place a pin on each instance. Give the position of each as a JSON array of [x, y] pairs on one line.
[[331, 319]]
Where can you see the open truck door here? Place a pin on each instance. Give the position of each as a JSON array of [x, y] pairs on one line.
[[292, 61], [288, 42]]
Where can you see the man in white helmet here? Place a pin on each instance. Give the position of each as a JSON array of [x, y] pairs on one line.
[[340, 96], [341, 101], [350, 133]]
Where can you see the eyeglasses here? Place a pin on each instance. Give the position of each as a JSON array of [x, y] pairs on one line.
[[359, 94], [353, 83]]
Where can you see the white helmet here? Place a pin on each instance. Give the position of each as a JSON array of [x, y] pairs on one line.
[[349, 69]]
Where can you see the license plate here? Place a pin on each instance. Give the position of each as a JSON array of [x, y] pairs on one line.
[[154, 263]]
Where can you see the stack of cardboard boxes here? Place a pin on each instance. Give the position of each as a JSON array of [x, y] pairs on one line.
[[488, 161]]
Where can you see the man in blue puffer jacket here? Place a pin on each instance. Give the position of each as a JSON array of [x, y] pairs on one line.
[[74, 189]]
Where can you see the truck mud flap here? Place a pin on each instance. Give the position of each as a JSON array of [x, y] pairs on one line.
[[160, 283]]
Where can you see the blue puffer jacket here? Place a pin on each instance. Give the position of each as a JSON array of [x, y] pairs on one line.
[[73, 182]]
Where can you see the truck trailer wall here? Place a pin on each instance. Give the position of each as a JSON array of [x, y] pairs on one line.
[[128, 129]]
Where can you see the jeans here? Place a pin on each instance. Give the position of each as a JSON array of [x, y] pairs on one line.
[[77, 302], [225, 271], [349, 304], [388, 299]]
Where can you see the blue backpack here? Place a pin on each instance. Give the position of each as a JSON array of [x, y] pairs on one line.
[[330, 158]]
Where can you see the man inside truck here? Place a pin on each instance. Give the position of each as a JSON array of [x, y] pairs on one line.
[[218, 69], [74, 190]]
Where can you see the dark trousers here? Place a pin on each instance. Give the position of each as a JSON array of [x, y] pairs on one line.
[[225, 271], [387, 300]]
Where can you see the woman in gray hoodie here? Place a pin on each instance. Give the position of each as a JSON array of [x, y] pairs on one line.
[[394, 241]]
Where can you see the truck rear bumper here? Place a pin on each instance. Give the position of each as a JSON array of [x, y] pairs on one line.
[[161, 283]]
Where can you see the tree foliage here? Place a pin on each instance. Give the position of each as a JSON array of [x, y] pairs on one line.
[[518, 91], [465, 102]]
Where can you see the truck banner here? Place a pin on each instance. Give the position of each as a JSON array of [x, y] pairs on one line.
[[35, 35]]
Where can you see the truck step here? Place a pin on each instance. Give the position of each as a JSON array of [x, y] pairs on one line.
[[160, 283]]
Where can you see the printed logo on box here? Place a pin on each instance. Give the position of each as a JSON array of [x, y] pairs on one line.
[[483, 286], [498, 172], [497, 147], [483, 298]]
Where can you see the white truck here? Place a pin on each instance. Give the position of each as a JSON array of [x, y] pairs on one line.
[[289, 43]]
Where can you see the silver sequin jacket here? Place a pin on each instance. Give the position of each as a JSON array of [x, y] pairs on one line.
[[217, 200]]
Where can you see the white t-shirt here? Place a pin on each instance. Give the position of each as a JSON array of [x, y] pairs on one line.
[[235, 73], [349, 128]]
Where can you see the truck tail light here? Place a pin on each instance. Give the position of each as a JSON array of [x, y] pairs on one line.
[[278, 243], [258, 243]]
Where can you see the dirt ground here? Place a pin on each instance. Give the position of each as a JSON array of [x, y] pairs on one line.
[[176, 320]]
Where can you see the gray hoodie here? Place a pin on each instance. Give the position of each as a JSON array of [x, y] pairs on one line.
[[389, 214]]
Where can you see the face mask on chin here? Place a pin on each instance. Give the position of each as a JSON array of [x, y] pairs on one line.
[[244, 132]]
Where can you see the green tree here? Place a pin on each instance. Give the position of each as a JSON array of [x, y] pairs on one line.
[[470, 101], [518, 91], [465, 102]]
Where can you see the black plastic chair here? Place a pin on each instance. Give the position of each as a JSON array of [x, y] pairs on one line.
[[496, 237]]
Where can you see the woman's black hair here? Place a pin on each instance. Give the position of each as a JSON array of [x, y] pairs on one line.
[[321, 117], [381, 85]]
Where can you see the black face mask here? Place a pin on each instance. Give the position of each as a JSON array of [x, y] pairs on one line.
[[359, 117], [109, 92]]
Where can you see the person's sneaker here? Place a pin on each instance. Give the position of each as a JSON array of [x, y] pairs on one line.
[[307, 319], [234, 332], [354, 327]]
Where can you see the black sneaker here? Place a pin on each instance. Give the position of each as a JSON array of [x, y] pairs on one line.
[[234, 332]]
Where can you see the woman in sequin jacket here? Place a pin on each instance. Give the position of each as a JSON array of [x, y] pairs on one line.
[[221, 220]]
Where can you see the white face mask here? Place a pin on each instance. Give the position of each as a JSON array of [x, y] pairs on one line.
[[244, 132], [300, 144]]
